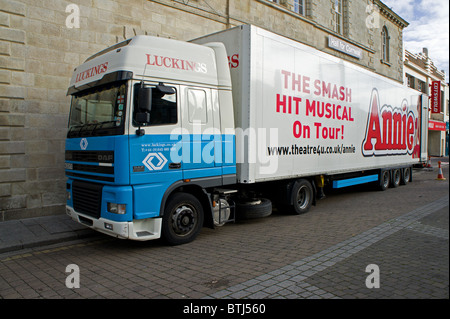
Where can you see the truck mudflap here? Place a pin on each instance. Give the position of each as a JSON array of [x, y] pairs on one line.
[[138, 229]]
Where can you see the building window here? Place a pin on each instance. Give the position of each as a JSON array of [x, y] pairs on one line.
[[421, 86], [299, 6], [385, 44], [410, 80], [338, 13]]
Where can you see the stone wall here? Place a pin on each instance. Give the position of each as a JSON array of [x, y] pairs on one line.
[[38, 53]]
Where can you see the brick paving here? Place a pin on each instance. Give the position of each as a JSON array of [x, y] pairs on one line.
[[339, 271]]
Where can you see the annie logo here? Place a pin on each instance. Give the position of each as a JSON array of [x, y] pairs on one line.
[[390, 130]]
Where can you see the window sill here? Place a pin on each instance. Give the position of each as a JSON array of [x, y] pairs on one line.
[[385, 62]]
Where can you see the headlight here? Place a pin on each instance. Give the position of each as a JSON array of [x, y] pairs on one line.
[[116, 208]]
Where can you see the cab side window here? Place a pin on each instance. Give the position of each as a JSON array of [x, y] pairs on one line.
[[164, 108], [197, 106]]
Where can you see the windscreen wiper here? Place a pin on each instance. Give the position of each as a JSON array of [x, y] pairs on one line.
[[101, 125]]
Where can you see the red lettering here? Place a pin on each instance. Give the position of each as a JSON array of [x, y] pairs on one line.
[[328, 111], [297, 105], [306, 80], [373, 125], [297, 129], [317, 87], [286, 76], [95, 70], [392, 134], [281, 103], [335, 93], [326, 89], [387, 130], [190, 65], [342, 93], [175, 63], [410, 132], [296, 81], [167, 65], [235, 60], [310, 107], [348, 95], [337, 112]]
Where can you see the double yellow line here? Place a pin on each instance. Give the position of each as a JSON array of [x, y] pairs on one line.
[[52, 250]]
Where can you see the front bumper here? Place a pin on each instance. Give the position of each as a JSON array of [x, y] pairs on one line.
[[138, 229]]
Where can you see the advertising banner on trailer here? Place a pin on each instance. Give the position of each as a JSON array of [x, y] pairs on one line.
[[300, 111]]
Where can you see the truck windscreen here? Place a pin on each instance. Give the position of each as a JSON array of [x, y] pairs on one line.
[[98, 111]]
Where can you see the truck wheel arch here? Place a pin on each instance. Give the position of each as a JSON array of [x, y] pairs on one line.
[[195, 190]]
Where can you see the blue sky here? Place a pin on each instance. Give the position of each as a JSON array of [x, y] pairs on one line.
[[428, 28]]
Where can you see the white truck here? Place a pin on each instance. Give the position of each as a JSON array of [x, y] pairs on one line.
[[168, 136]]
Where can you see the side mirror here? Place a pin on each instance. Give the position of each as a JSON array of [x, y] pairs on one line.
[[144, 99], [165, 89]]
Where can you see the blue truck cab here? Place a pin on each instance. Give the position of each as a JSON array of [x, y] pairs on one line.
[[150, 139]]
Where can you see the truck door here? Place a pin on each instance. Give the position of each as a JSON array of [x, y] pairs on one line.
[[198, 134], [155, 148], [424, 128], [151, 155]]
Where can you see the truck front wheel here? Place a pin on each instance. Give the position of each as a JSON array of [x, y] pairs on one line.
[[182, 219]]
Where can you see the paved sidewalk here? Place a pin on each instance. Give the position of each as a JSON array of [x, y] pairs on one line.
[[338, 271], [39, 231]]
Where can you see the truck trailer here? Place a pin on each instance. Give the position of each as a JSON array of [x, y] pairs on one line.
[[166, 136]]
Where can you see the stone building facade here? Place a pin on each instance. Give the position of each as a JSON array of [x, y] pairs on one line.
[[42, 41], [420, 72]]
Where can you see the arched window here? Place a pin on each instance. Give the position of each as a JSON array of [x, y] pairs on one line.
[[385, 44], [338, 10]]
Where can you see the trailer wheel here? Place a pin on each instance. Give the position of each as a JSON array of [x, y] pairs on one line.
[[396, 177], [302, 196], [384, 180], [406, 176], [182, 219], [253, 209]]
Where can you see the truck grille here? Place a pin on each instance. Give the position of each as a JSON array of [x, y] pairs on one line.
[[87, 198], [98, 165], [90, 156]]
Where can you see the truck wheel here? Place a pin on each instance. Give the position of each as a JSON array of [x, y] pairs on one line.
[[254, 209], [406, 176], [182, 219], [302, 196], [396, 177], [384, 180]]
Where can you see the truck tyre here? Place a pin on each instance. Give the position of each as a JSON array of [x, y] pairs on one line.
[[396, 177], [406, 176], [385, 179], [302, 196], [253, 209], [182, 219]]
